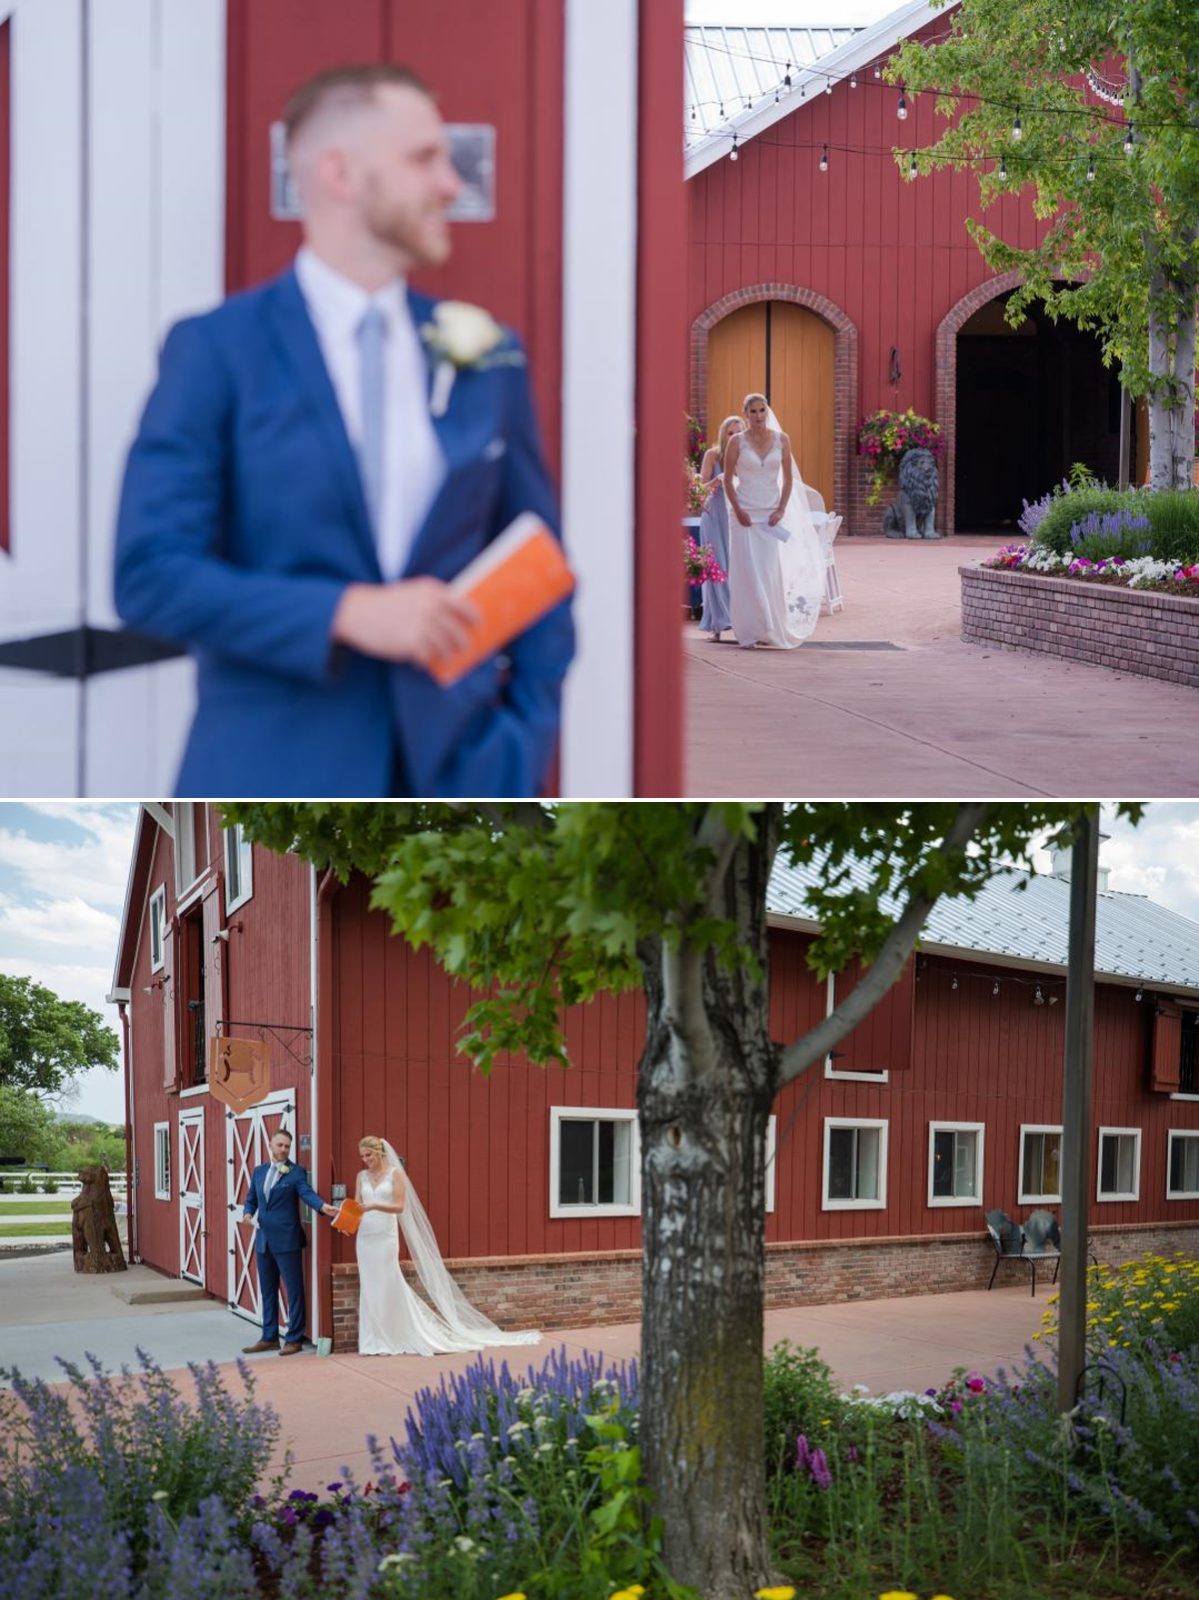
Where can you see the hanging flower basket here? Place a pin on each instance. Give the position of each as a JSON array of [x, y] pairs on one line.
[[884, 437]]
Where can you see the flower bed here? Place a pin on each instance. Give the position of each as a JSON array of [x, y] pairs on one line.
[[1095, 616]]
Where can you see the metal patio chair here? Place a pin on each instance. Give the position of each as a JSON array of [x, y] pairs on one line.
[[1011, 1243]]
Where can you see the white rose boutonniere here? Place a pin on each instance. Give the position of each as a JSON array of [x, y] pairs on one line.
[[284, 1170], [461, 335]]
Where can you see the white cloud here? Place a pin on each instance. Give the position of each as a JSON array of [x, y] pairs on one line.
[[74, 923], [94, 864]]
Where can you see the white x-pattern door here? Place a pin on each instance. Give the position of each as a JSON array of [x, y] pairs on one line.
[[191, 1195], [248, 1136]]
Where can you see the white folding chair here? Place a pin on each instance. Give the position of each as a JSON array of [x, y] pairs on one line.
[[828, 524]]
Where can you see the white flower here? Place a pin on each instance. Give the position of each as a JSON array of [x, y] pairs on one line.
[[160, 1494], [396, 1560], [464, 1544], [462, 333], [518, 1427]]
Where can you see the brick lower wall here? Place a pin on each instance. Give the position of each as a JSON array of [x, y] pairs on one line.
[[1132, 630], [581, 1291]]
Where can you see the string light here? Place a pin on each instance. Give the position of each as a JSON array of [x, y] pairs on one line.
[[828, 86], [954, 984], [995, 990], [1091, 170], [913, 170], [853, 80], [1017, 131], [733, 151], [878, 71], [824, 159], [901, 110], [1002, 170], [1038, 998], [1129, 140]]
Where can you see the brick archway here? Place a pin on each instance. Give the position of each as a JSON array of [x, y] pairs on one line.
[[947, 378], [845, 367]]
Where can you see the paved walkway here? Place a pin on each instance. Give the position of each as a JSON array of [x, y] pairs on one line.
[[886, 700], [330, 1404]]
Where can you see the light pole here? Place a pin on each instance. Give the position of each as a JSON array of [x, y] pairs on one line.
[[1076, 1107]]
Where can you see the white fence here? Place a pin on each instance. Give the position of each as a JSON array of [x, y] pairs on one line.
[[66, 1184]]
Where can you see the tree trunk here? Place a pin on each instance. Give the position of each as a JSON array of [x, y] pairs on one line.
[[1172, 335], [707, 1082]]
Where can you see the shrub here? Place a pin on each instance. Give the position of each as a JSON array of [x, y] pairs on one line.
[[49, 1185], [1071, 507], [1173, 524], [1147, 1304], [157, 1474], [800, 1397]]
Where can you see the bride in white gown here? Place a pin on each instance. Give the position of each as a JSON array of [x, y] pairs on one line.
[[776, 564], [392, 1319]]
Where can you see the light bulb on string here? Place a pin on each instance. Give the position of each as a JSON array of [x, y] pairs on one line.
[[1017, 130], [954, 984], [901, 110], [1129, 140], [1038, 998], [828, 86], [1002, 170], [733, 151], [853, 80], [995, 990], [824, 159], [878, 71], [912, 169], [1091, 170]]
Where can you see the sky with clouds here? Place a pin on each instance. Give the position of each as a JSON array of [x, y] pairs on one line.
[[792, 13], [63, 868]]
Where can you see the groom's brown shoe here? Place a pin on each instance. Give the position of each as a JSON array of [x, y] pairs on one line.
[[263, 1344], [291, 1349]]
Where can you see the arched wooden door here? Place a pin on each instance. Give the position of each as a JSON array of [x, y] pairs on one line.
[[786, 352]]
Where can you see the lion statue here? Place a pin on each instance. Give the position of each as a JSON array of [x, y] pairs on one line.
[[911, 515], [94, 1236]]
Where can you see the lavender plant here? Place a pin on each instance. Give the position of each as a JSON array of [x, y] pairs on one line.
[[1108, 535]]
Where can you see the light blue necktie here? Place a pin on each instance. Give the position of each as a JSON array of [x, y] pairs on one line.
[[272, 1179], [372, 334]]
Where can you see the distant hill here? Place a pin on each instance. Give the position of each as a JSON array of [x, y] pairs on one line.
[[79, 1120]]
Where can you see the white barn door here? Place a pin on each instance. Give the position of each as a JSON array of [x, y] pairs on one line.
[[248, 1136], [191, 1195]]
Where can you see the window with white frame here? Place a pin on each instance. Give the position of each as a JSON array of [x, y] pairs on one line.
[[771, 1153], [1119, 1164], [185, 844], [594, 1162], [855, 1164], [831, 1070], [1182, 1165], [162, 1161], [1040, 1162], [239, 868], [955, 1163], [158, 922]]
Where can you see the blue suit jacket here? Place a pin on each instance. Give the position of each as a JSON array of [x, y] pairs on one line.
[[242, 520], [279, 1225]]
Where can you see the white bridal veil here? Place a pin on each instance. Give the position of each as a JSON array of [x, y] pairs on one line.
[[454, 1308], [802, 554]]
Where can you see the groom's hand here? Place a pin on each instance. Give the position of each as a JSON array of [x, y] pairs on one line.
[[416, 620], [328, 1211]]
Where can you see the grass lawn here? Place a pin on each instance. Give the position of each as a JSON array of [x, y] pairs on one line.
[[21, 1230], [43, 1204]]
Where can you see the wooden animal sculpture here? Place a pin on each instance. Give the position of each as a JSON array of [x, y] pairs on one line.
[[94, 1236]]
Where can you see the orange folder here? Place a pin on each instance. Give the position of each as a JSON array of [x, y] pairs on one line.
[[348, 1218], [518, 578]]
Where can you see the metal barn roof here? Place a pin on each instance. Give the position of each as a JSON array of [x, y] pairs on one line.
[[726, 67], [730, 70], [1136, 940]]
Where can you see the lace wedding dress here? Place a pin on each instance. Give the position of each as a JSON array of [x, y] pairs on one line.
[[393, 1320], [775, 585]]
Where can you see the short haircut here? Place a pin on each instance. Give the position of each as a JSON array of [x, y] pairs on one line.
[[344, 87]]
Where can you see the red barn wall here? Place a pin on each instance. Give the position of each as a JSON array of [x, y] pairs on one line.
[[891, 255], [499, 63], [268, 981]]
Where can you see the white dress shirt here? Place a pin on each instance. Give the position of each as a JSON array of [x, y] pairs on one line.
[[413, 465]]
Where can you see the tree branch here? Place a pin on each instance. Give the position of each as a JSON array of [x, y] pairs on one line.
[[886, 968]]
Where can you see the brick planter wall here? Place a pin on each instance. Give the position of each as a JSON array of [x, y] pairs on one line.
[[580, 1291], [1133, 630]]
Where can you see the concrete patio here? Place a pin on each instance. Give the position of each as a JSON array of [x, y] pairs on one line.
[[886, 700], [329, 1405]]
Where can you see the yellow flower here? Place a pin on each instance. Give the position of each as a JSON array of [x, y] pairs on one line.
[[519, 1595], [899, 1594], [780, 1592]]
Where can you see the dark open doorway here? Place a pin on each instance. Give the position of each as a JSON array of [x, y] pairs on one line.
[[1031, 401]]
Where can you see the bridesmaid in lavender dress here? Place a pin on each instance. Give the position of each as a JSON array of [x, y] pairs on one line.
[[714, 530]]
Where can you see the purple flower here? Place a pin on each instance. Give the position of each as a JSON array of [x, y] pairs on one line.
[[818, 1467]]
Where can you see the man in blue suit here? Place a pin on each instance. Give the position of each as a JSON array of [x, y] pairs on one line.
[[276, 1190], [320, 455]]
